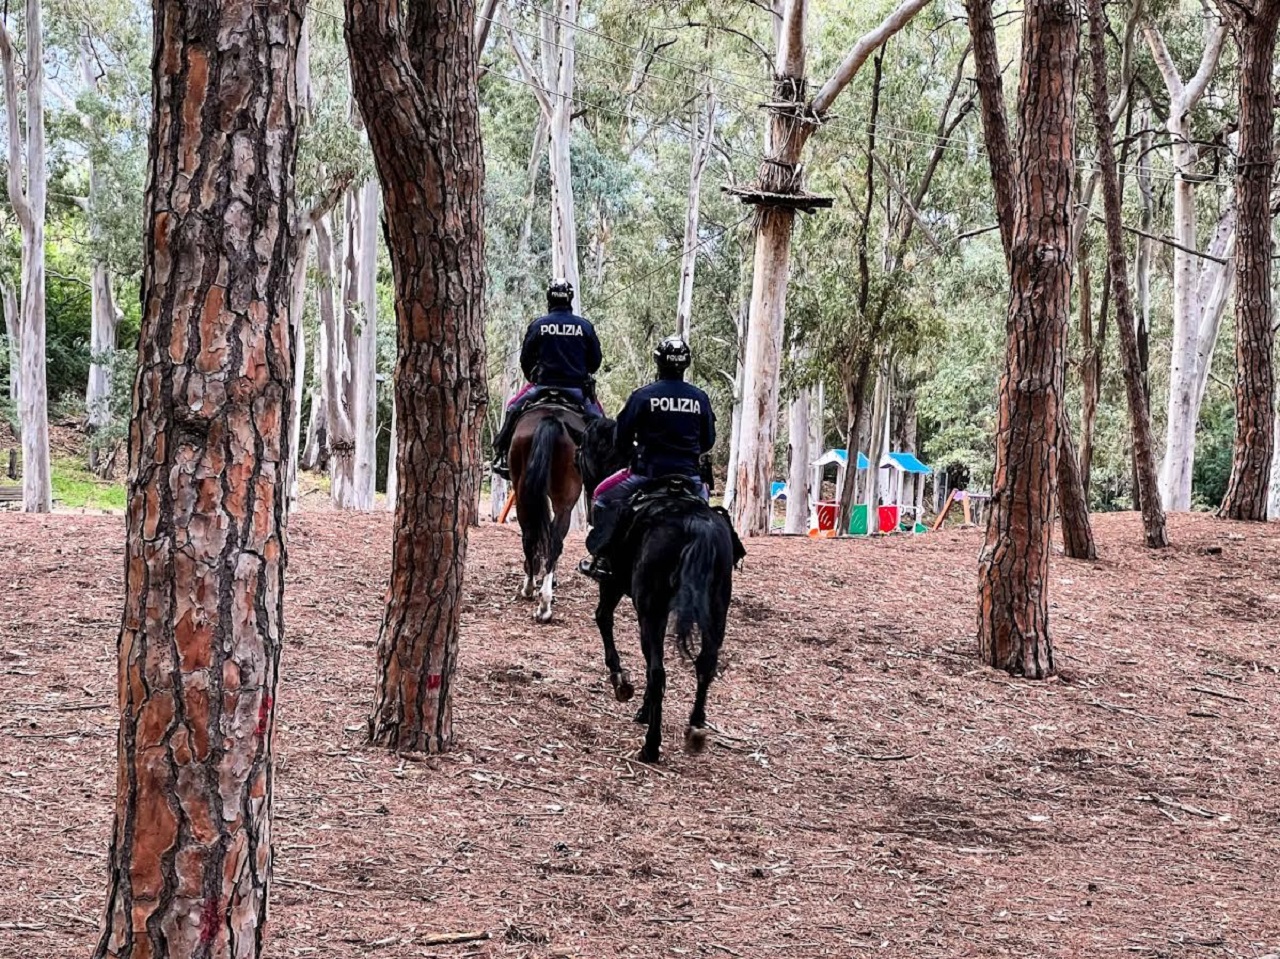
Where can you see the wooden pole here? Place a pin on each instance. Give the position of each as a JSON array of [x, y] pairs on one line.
[[506, 508]]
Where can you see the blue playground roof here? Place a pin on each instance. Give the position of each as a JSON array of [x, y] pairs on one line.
[[778, 490], [841, 457], [908, 463]]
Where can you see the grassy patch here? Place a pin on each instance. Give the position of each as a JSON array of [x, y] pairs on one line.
[[74, 487]]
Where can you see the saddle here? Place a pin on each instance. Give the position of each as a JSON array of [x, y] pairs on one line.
[[672, 493], [554, 398]]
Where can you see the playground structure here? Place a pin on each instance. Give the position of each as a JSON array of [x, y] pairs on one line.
[[901, 494]]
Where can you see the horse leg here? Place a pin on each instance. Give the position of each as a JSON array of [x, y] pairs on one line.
[[695, 734], [653, 627], [610, 597], [558, 530]]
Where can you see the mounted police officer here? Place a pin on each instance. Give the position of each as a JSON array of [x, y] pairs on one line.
[[667, 426], [560, 350]]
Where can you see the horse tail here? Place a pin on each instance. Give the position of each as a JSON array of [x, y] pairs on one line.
[[694, 576], [534, 504]]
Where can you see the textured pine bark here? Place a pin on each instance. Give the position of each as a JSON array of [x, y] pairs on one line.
[[1013, 591], [1144, 456], [1073, 498], [201, 634], [414, 74], [1255, 31]]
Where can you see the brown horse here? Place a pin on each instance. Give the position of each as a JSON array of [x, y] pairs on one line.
[[548, 486]]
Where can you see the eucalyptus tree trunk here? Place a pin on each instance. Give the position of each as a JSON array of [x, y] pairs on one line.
[[1013, 586], [1200, 288], [879, 440], [316, 454], [201, 635], [799, 456], [12, 328], [103, 316], [338, 374], [700, 152], [415, 80], [790, 125], [1255, 27], [553, 87], [735, 424], [364, 409], [1153, 519], [28, 200]]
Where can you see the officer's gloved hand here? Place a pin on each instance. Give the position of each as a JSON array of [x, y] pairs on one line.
[[706, 472]]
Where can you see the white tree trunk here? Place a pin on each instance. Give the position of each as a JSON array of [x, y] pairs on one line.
[[339, 429], [816, 435], [564, 224], [393, 451], [1193, 285], [735, 430], [29, 207], [799, 458], [12, 325], [700, 152], [365, 407], [316, 454], [877, 446], [758, 430], [297, 309], [104, 319]]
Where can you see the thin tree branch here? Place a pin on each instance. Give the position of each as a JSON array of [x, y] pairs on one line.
[[863, 49], [540, 92], [17, 195]]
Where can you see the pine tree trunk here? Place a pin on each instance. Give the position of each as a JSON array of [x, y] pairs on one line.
[[1255, 31], [28, 202], [1144, 459], [201, 635], [1013, 586], [415, 80], [1073, 501]]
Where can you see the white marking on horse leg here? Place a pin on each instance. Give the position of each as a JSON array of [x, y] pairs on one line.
[[526, 591], [543, 615]]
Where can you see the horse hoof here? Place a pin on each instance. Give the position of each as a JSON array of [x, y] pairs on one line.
[[542, 616], [622, 689], [695, 739], [648, 756], [642, 716]]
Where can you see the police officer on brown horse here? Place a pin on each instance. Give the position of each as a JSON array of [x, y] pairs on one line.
[[561, 351]]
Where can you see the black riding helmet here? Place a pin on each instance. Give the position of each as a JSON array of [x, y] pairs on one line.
[[672, 355], [559, 293]]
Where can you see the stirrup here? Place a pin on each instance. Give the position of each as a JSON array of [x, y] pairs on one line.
[[501, 468], [595, 567]]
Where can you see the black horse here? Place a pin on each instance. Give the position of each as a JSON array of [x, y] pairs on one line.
[[674, 556]]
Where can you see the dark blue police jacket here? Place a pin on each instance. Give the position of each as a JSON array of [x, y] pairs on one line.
[[560, 349], [671, 424]]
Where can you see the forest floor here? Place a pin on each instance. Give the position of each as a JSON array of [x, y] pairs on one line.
[[871, 789]]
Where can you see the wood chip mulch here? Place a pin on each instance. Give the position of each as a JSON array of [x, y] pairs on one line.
[[870, 790]]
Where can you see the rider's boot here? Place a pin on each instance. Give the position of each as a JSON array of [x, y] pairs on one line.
[[606, 521], [502, 444]]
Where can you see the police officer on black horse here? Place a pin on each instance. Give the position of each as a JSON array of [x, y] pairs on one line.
[[560, 350], [666, 426]]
